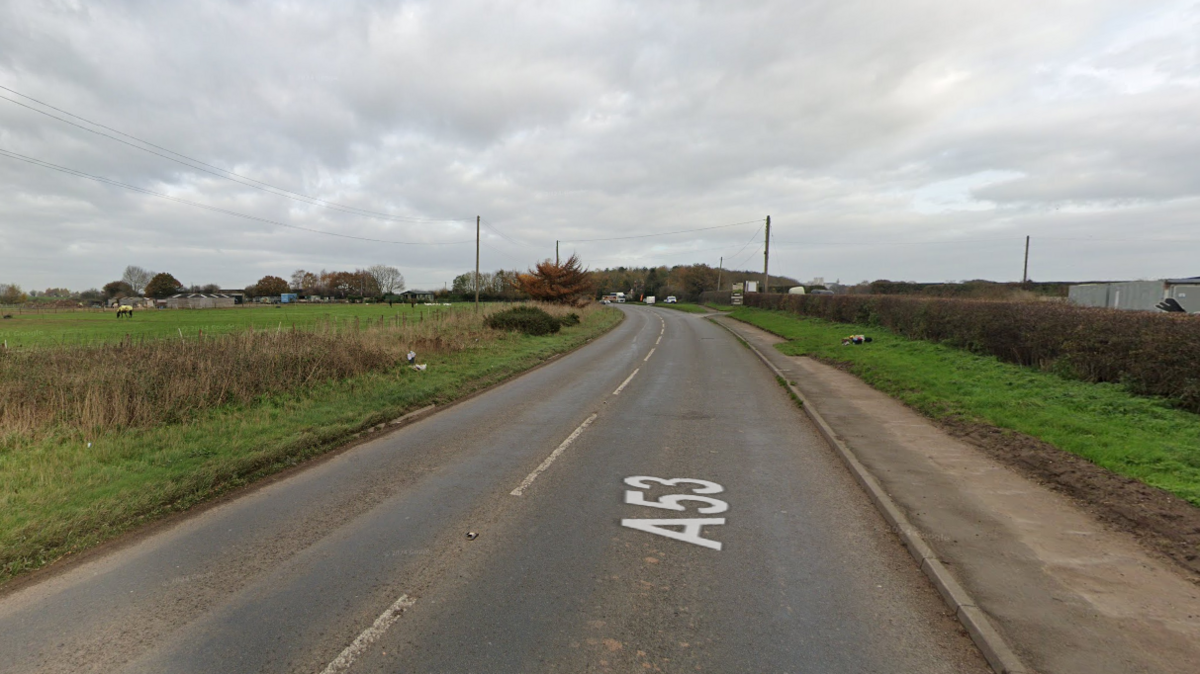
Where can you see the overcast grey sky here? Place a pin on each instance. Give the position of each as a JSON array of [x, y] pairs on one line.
[[901, 139]]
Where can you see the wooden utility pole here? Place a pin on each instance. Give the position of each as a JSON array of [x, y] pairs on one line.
[[767, 257], [556, 253], [720, 267], [1025, 274], [476, 264]]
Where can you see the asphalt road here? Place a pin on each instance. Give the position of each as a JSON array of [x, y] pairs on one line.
[[362, 563]]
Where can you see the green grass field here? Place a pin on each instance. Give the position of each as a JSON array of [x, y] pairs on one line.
[[87, 326], [1139, 437], [60, 494]]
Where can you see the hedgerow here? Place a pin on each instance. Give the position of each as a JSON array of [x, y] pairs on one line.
[[1150, 353]]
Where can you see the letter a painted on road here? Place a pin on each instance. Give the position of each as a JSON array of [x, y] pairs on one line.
[[692, 529]]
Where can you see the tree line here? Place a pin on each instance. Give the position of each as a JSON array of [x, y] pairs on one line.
[[546, 281], [685, 281]]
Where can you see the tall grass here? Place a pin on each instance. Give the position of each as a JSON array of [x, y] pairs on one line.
[[97, 389]]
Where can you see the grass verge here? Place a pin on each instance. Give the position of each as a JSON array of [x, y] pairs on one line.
[[59, 496], [1143, 438], [686, 306]]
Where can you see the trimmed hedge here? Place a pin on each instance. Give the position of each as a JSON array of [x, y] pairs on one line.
[[526, 319], [1150, 353]]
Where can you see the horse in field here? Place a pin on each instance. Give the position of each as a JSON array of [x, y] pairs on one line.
[[125, 310]]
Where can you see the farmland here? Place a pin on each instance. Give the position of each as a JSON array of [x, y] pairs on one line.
[[97, 439], [96, 326]]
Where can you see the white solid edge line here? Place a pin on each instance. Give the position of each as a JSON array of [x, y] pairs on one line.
[[648, 355], [347, 657], [624, 383], [553, 455]]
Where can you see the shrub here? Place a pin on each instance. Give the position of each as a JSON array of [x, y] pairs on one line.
[[1150, 353], [569, 320], [525, 319]]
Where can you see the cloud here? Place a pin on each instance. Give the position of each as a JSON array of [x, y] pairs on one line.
[[949, 129]]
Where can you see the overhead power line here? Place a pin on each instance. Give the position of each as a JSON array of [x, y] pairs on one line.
[[135, 188], [198, 165], [752, 239], [644, 236], [504, 236], [888, 243]]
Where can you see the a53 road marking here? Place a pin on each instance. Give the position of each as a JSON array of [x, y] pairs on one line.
[[693, 527]]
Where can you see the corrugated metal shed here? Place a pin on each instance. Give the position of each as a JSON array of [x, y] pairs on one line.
[[1089, 294], [1137, 295], [199, 301], [1187, 294]]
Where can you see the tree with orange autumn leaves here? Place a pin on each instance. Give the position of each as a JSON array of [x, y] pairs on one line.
[[563, 283]]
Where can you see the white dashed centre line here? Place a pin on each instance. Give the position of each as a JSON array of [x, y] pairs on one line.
[[648, 355], [347, 657], [624, 383], [554, 455]]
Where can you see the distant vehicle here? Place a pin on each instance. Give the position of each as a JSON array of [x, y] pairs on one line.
[[670, 300], [798, 290], [821, 291], [650, 299], [605, 301]]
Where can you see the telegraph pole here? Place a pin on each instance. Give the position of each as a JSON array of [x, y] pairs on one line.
[[767, 256], [476, 264], [556, 253], [720, 267], [1025, 274]]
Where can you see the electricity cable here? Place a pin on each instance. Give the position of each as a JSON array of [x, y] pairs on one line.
[[643, 236], [504, 236], [117, 183], [217, 171]]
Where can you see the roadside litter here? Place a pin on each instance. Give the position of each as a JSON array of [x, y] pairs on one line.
[[855, 339], [412, 362]]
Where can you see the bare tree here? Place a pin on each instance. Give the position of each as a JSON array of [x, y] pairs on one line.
[[137, 278], [298, 279], [389, 279]]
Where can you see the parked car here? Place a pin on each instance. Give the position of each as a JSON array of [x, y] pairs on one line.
[[670, 300]]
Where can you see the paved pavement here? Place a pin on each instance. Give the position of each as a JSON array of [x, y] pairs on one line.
[[363, 563]]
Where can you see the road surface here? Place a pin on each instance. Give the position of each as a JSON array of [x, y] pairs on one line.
[[533, 528]]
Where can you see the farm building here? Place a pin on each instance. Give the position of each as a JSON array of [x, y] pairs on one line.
[[200, 301], [1138, 295], [416, 296], [136, 302], [239, 296]]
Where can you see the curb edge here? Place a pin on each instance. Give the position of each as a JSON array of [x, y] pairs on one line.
[[987, 638]]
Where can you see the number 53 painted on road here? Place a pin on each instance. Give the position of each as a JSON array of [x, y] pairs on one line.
[[692, 527]]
